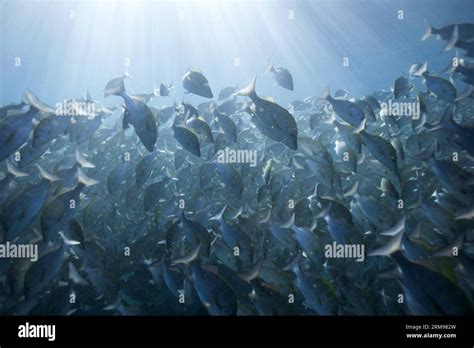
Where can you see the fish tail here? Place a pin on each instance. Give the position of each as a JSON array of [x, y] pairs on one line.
[[120, 89], [465, 93], [248, 91], [427, 153], [294, 264], [253, 272], [126, 75], [447, 119], [326, 95], [219, 215], [390, 273], [269, 67], [448, 250], [360, 128], [150, 262], [449, 69], [428, 32], [289, 222], [352, 191], [324, 212], [84, 179], [47, 176], [88, 97], [315, 191], [116, 303], [14, 170], [82, 161], [191, 257], [453, 40], [68, 241], [393, 246], [330, 120], [422, 71]]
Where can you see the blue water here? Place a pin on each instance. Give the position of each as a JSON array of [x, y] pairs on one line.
[[68, 47]]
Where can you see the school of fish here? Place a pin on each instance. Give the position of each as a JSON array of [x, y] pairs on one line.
[[133, 214]]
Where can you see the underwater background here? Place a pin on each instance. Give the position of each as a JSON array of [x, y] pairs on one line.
[[63, 57]]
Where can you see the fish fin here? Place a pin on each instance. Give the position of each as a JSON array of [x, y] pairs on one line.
[[249, 90], [83, 162], [452, 41], [465, 93], [288, 223], [33, 101], [13, 170], [84, 179], [187, 259], [318, 191], [449, 69], [428, 32], [45, 175], [125, 120], [315, 192], [448, 250], [71, 311], [352, 191], [117, 302], [89, 98], [399, 225], [331, 119], [269, 99], [150, 262], [324, 212], [360, 127], [417, 203], [68, 241], [464, 213], [422, 70], [294, 264], [269, 67], [390, 273], [126, 75], [447, 118], [219, 215], [426, 153], [252, 273], [389, 248], [117, 89], [326, 95]]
